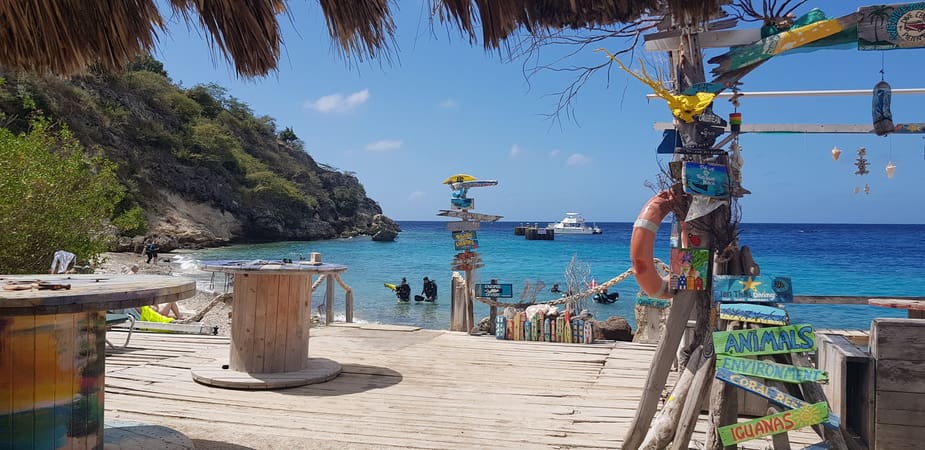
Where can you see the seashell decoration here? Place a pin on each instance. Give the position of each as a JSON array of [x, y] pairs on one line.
[[890, 168], [836, 152]]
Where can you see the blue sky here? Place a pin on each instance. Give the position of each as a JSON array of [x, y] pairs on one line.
[[443, 106]]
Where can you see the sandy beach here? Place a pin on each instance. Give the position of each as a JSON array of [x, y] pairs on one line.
[[220, 314]]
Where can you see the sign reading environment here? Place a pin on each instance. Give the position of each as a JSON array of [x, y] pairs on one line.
[[765, 341], [770, 370], [465, 240], [494, 290], [740, 288], [774, 424]]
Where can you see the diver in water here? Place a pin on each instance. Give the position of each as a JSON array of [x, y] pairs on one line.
[[430, 290], [403, 291], [604, 297]]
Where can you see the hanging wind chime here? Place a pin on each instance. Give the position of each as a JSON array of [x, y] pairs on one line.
[[890, 167], [861, 163]]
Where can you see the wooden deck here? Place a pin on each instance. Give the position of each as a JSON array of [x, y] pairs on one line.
[[398, 389]]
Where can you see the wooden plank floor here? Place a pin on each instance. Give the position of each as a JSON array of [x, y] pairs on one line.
[[398, 389]]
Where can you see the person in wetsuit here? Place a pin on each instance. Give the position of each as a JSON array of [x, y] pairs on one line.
[[403, 291], [430, 290]]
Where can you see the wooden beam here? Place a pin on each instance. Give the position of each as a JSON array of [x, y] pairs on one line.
[[813, 93], [902, 128], [671, 40]]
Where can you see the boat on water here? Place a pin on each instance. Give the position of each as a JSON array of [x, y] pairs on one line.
[[573, 223]]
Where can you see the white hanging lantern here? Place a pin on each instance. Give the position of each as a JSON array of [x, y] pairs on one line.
[[890, 168], [836, 152]]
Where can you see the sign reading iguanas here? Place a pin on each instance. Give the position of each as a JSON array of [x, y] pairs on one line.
[[765, 341], [774, 424], [770, 370]]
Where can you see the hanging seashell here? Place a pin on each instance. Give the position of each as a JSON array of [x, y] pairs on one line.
[[836, 152], [857, 189], [890, 168]]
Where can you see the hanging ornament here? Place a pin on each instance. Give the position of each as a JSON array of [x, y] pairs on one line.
[[861, 162], [867, 189], [890, 168], [857, 189], [735, 122], [883, 118], [836, 152]]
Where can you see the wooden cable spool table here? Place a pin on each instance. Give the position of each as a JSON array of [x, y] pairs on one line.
[[271, 315], [915, 308], [53, 352]]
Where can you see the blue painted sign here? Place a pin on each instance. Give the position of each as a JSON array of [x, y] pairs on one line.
[[765, 341], [771, 370], [710, 180], [763, 289], [494, 290], [754, 313], [465, 240], [773, 395], [653, 302], [462, 203]]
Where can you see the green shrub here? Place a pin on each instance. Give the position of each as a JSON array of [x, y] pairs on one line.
[[52, 197], [132, 222]]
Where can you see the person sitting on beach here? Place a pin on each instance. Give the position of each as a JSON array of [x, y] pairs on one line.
[[430, 290], [403, 291]]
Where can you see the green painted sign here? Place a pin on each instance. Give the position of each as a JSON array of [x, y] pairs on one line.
[[777, 397], [765, 341], [770, 370], [774, 424]]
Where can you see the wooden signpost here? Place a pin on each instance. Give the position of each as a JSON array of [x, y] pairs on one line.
[[774, 424], [753, 313], [770, 370], [765, 341], [465, 240], [780, 398]]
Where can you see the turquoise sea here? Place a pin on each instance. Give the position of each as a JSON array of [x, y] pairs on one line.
[[821, 259]]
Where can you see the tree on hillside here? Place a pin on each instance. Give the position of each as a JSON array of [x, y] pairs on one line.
[[52, 197]]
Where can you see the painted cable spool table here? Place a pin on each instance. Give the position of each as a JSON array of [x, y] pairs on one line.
[[271, 314], [53, 352]]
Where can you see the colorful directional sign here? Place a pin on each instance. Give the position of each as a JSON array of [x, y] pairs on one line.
[[463, 225], [469, 215], [465, 240], [775, 396], [765, 341], [752, 313], [710, 180], [770, 370], [642, 300], [774, 424], [467, 261], [737, 288], [494, 290]]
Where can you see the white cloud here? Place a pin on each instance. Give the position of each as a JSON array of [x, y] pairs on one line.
[[339, 102], [554, 152], [384, 145], [577, 159], [416, 195], [516, 151], [449, 104]]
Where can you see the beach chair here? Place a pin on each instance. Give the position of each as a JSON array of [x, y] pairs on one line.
[[114, 318]]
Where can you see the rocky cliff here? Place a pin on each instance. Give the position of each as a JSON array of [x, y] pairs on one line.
[[199, 167]]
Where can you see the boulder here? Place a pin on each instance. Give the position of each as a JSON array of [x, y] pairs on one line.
[[613, 329], [384, 229]]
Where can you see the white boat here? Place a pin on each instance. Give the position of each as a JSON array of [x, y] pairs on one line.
[[573, 223]]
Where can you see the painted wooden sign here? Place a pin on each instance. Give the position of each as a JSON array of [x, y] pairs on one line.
[[467, 261], [711, 180], [463, 225], [774, 424], [738, 288], [653, 302], [753, 313], [500, 327], [469, 215], [888, 27], [689, 268], [773, 395], [465, 240], [765, 341], [770, 370], [494, 290], [462, 203]]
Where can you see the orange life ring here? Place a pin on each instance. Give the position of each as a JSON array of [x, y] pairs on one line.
[[642, 245]]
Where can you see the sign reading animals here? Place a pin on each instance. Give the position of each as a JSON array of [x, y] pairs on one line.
[[765, 341], [774, 424]]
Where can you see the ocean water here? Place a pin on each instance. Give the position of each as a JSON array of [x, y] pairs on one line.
[[821, 259]]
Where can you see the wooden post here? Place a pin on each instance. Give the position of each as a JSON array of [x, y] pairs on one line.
[[663, 430], [470, 314], [680, 310], [723, 405], [492, 313], [699, 389], [329, 301]]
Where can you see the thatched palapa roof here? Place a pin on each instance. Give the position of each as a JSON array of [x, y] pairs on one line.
[[66, 37]]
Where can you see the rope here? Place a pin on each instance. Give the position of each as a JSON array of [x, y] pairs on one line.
[[575, 297]]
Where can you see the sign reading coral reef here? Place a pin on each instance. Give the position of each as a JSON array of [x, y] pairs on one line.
[[765, 341], [774, 424]]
